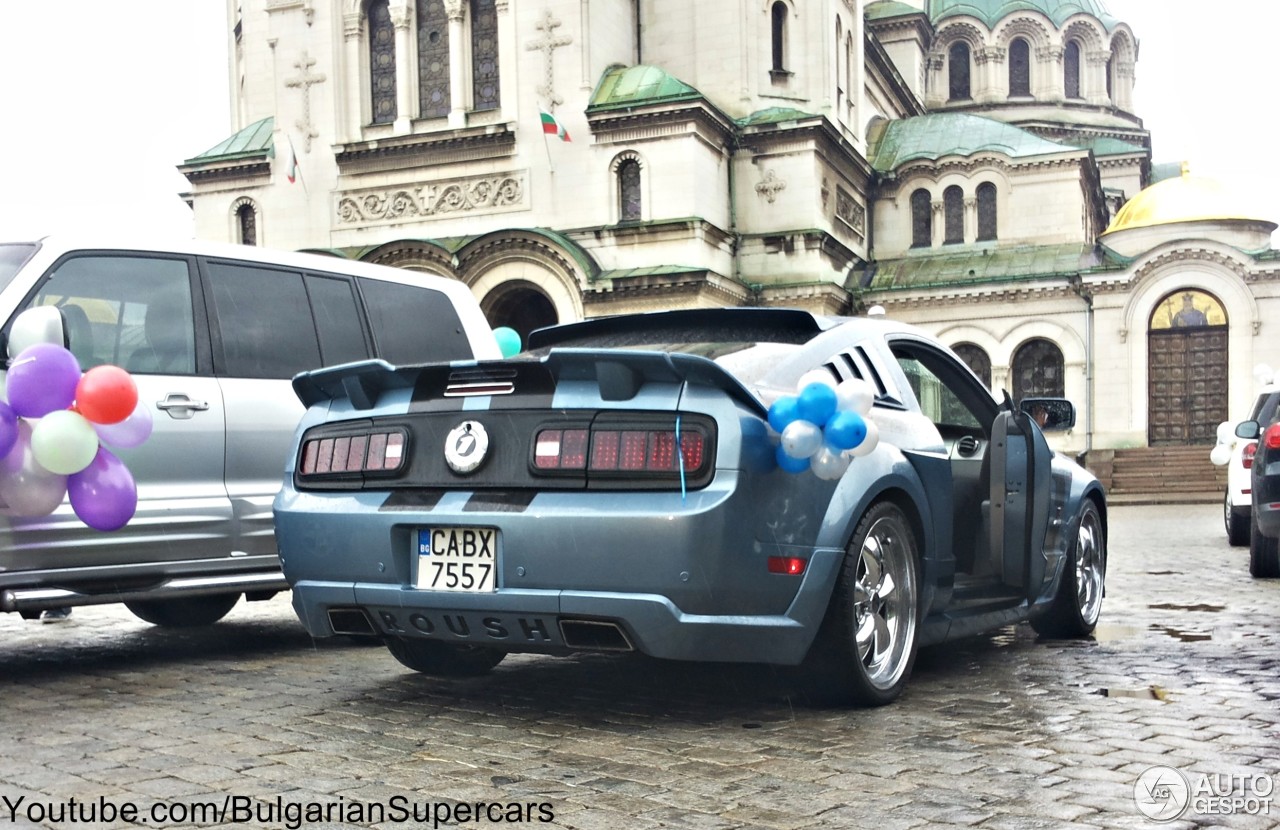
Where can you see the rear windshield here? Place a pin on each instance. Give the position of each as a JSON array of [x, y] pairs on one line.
[[12, 258]]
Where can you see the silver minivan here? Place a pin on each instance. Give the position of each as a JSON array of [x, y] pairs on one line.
[[212, 335]]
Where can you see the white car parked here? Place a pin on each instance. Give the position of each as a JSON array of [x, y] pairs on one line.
[[1237, 454]]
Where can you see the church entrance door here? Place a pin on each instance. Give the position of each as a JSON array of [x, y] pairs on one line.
[[1187, 369]]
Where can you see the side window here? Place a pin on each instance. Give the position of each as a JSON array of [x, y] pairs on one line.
[[263, 322], [337, 318], [413, 324], [947, 395], [128, 311]]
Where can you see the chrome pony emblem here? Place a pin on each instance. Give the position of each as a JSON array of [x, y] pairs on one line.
[[466, 446]]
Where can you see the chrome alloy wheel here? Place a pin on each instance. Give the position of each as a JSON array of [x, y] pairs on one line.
[[1091, 567], [885, 604]]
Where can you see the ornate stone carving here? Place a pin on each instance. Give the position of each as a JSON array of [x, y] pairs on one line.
[[769, 186], [479, 194], [304, 80], [850, 212], [547, 45]]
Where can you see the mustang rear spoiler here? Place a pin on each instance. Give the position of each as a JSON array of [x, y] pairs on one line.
[[619, 373]]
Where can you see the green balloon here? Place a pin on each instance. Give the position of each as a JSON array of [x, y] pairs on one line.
[[63, 442], [508, 340]]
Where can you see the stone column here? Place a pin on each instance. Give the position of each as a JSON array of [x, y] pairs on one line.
[[351, 120], [1051, 87], [1094, 77], [456, 11], [402, 20]]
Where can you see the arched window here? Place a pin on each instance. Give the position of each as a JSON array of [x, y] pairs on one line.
[[247, 224], [1111, 69], [921, 219], [953, 215], [976, 359], [839, 73], [1019, 69], [848, 68], [382, 63], [629, 191], [958, 68], [986, 211], [1037, 370], [484, 55], [1071, 69], [778, 15], [433, 59]]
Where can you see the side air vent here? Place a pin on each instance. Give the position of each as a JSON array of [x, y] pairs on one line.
[[967, 446]]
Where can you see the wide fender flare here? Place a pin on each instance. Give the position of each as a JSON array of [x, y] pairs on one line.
[[885, 473], [1081, 488]]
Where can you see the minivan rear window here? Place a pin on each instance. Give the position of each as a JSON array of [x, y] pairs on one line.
[[413, 324]]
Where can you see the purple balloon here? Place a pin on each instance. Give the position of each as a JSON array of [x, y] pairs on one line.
[[8, 428], [103, 494], [130, 432], [42, 379]]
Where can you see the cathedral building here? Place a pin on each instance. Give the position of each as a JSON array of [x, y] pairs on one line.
[[975, 167]]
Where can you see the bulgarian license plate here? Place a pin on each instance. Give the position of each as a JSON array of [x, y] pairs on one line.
[[457, 559]]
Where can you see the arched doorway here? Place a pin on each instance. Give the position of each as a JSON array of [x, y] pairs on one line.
[[519, 305], [1187, 368]]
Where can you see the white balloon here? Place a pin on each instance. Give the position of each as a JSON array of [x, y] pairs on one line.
[[815, 376], [801, 439], [1220, 455], [42, 324], [1264, 374], [1226, 432], [855, 395], [869, 443], [828, 464]]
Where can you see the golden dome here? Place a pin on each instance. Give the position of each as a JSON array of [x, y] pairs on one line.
[[1185, 198]]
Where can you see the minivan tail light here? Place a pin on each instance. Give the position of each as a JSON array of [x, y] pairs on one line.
[[1247, 454], [1272, 437], [376, 452]]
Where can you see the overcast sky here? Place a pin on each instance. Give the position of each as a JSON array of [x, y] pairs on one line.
[[99, 102]]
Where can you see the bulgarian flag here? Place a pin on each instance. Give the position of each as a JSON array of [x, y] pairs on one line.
[[551, 126]]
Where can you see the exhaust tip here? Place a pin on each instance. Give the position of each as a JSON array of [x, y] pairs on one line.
[[351, 621], [594, 635]]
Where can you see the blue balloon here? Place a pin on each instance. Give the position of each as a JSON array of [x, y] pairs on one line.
[[508, 340], [845, 430], [791, 465], [817, 403], [783, 412]]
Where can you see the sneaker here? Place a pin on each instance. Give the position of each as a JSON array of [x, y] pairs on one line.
[[55, 614]]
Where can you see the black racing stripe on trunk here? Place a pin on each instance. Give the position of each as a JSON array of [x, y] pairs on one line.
[[423, 500], [503, 501]]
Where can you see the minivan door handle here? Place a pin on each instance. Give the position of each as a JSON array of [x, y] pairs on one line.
[[180, 406]]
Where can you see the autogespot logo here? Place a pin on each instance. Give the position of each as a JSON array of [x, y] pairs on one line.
[[1162, 793]]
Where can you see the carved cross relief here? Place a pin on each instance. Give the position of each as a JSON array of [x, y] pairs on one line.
[[304, 80], [547, 44]]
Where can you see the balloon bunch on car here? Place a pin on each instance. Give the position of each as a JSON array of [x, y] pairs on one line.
[[54, 431], [824, 425]]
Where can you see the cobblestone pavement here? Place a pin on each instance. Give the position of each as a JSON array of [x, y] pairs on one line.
[[1000, 731]]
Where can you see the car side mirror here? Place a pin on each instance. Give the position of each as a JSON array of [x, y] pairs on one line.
[[1248, 430], [41, 324], [1050, 414]]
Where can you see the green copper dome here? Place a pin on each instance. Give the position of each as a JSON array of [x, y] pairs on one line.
[[953, 134], [624, 86], [992, 12]]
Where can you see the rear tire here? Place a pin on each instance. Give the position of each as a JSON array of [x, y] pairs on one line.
[[1237, 524], [185, 612], [1075, 610], [440, 660], [866, 647], [1264, 554]]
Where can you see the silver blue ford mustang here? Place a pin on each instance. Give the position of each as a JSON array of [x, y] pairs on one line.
[[616, 487]]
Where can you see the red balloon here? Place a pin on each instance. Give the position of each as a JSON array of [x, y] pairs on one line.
[[106, 395]]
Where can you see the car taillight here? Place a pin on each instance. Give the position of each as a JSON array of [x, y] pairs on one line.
[[1272, 437], [376, 452], [1247, 454], [615, 451]]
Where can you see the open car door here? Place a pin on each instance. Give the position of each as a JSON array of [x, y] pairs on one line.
[[1021, 479]]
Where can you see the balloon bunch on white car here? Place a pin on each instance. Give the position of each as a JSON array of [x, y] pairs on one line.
[[824, 425], [53, 431]]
